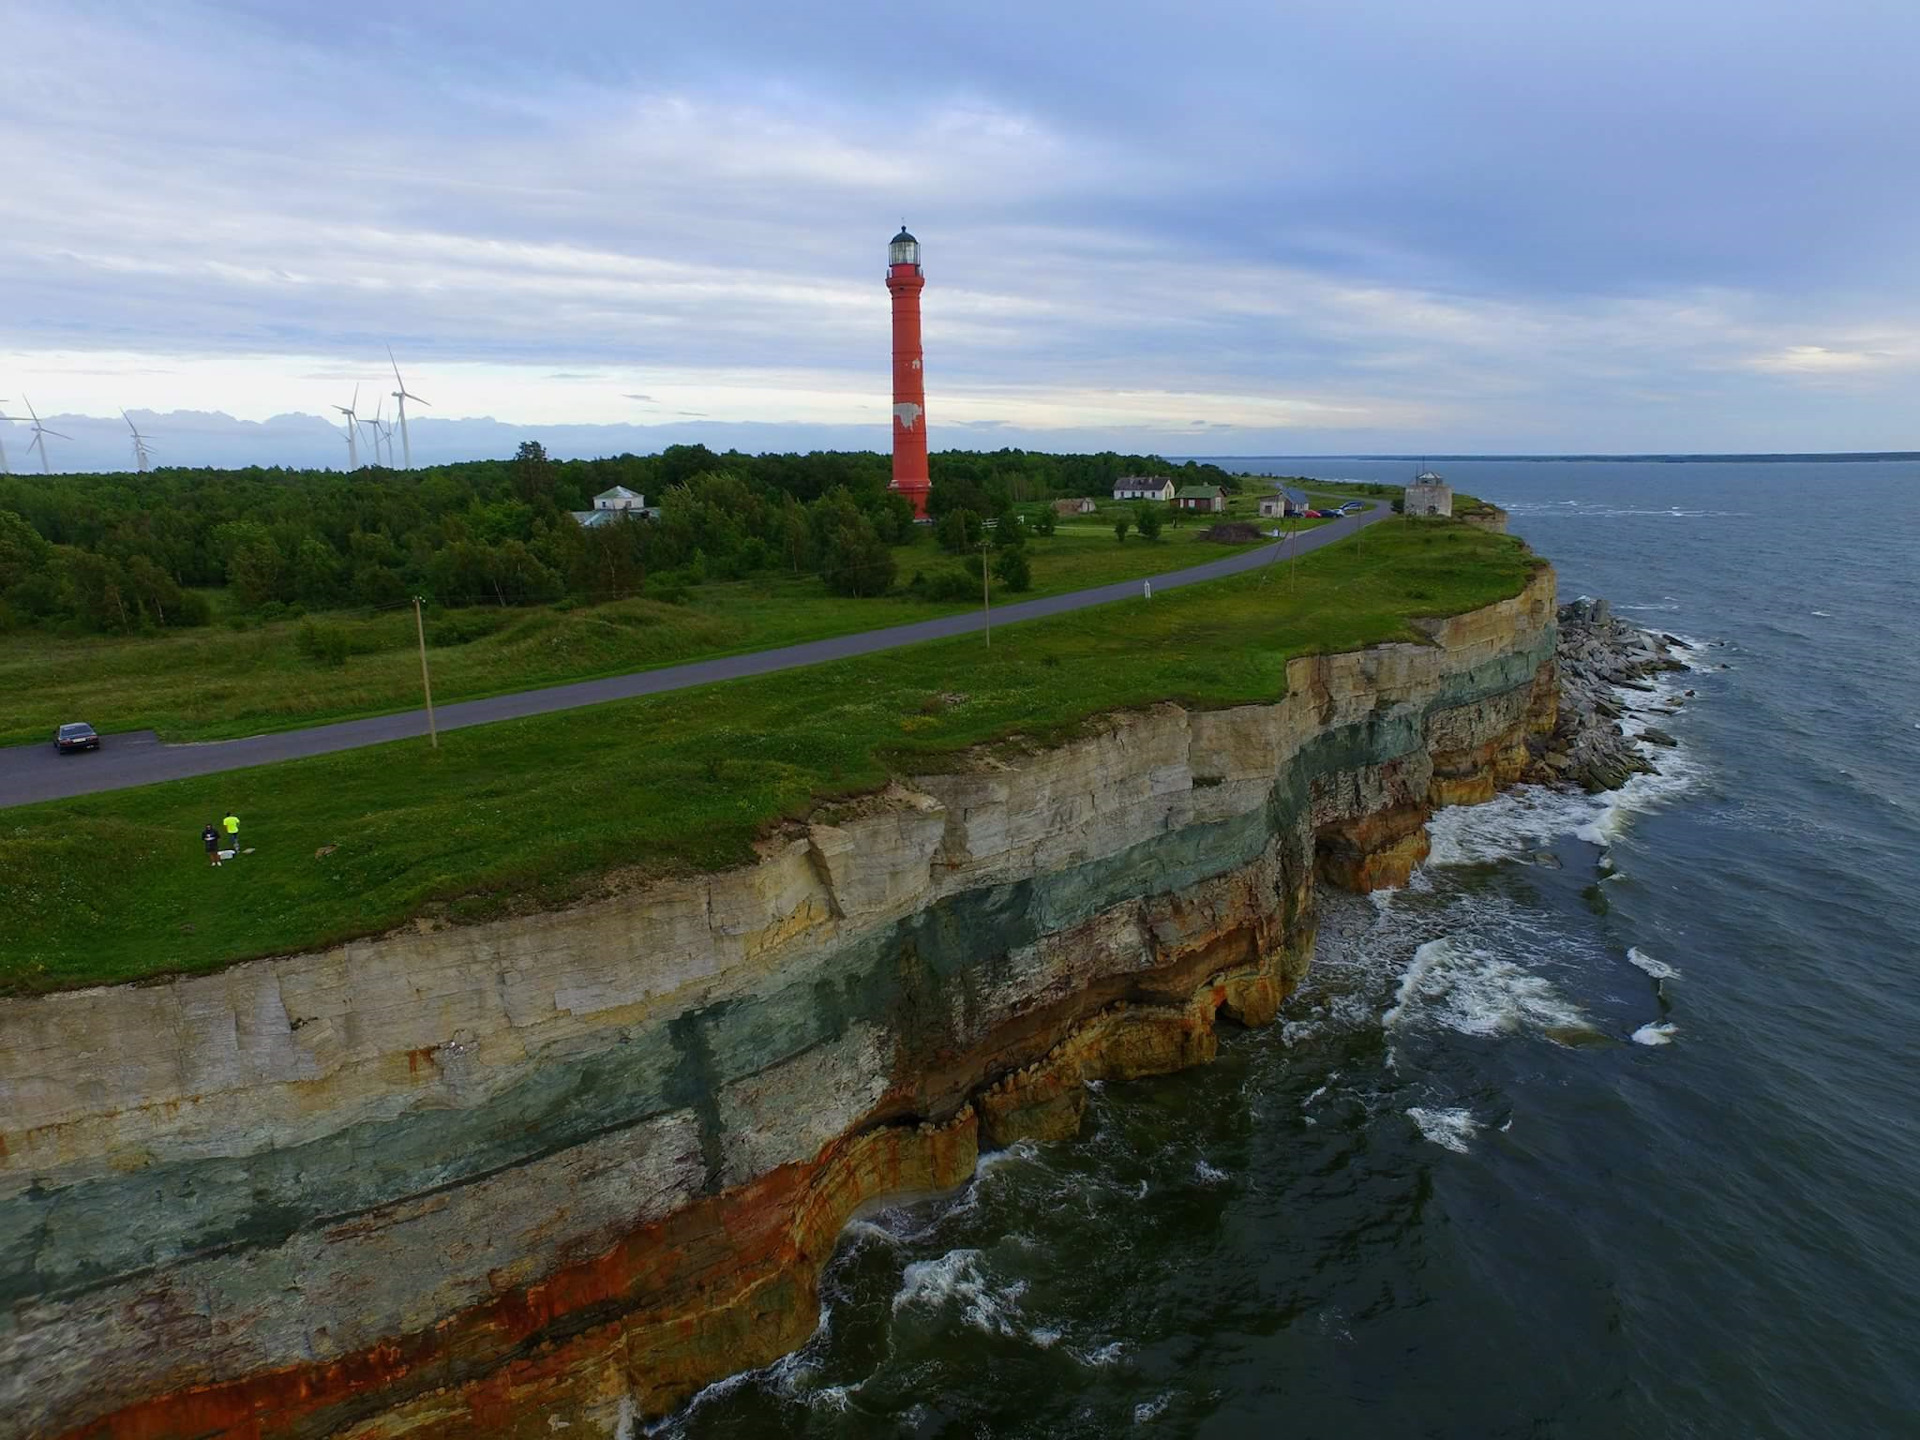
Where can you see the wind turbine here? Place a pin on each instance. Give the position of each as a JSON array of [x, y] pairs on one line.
[[403, 395], [353, 443], [40, 433], [140, 452], [376, 425]]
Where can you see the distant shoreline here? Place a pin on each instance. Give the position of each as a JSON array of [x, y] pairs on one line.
[[1783, 458]]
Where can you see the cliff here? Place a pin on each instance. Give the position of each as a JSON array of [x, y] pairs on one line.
[[570, 1167]]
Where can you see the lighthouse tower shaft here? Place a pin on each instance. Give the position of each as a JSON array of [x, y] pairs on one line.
[[905, 282]]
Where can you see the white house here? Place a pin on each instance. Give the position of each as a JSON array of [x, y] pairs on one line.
[[619, 503], [1143, 487], [1428, 495]]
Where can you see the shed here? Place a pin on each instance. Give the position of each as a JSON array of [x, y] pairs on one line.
[[1082, 505], [1283, 503], [1208, 499]]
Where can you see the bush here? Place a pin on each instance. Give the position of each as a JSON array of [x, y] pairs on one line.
[[1045, 522], [1147, 519], [1014, 569], [1121, 525], [952, 585], [463, 627], [323, 644]]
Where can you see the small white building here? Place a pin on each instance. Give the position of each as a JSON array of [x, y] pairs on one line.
[[1143, 487], [619, 503], [619, 498], [1080, 505], [1429, 495]]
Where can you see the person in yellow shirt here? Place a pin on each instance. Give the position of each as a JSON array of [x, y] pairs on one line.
[[231, 825]]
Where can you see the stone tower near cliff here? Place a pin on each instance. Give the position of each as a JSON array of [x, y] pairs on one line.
[[1429, 495], [905, 281]]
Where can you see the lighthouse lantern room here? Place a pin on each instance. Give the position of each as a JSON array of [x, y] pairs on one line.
[[905, 282]]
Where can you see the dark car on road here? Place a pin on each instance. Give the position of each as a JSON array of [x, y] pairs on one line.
[[75, 737]]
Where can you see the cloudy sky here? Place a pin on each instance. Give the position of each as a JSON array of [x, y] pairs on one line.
[[1201, 228]]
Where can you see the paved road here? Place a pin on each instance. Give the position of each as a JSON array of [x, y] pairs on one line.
[[29, 773]]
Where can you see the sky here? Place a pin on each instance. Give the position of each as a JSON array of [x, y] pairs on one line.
[[1191, 228]]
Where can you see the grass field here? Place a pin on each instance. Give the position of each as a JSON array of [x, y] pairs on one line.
[[539, 812], [218, 682]]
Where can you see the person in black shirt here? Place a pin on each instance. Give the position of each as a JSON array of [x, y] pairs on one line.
[[212, 838]]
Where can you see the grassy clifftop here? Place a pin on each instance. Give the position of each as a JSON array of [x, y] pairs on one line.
[[540, 812]]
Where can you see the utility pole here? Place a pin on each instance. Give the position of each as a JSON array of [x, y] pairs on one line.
[[986, 593], [426, 683]]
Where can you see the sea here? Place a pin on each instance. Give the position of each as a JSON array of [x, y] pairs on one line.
[[1608, 1124]]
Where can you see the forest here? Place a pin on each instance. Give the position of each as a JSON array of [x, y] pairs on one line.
[[123, 553]]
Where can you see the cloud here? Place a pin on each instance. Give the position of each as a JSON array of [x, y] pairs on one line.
[[1499, 226], [1818, 360]]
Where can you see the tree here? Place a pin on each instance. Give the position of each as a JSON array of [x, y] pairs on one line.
[[1014, 569], [1121, 524], [1148, 521], [253, 572], [958, 532], [854, 560], [1008, 532], [1045, 522], [532, 472]]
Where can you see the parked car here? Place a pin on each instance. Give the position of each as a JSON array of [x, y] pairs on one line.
[[78, 736], [1351, 506]]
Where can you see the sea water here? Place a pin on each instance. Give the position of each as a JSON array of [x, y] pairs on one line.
[[1607, 1124]]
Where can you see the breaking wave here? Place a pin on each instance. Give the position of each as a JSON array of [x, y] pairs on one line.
[[1658, 969], [1453, 1129], [1473, 992]]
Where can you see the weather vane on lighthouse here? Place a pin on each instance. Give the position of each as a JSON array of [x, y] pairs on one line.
[[906, 282]]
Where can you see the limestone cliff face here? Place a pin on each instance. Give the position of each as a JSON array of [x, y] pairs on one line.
[[576, 1165]]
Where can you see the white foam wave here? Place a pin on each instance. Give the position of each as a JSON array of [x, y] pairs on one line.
[[992, 1160], [1823, 614], [1109, 1354], [1450, 1128], [1207, 1174], [1513, 823], [1472, 992], [1147, 1411], [1658, 969], [959, 1276], [1657, 1033]]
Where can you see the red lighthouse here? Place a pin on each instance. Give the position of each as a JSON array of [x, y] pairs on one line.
[[909, 386]]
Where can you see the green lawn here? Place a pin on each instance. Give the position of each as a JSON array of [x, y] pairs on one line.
[[539, 812], [218, 682]]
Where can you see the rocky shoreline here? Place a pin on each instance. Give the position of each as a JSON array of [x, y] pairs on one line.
[[1597, 655]]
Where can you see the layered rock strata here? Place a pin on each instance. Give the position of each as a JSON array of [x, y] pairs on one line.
[[562, 1170]]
